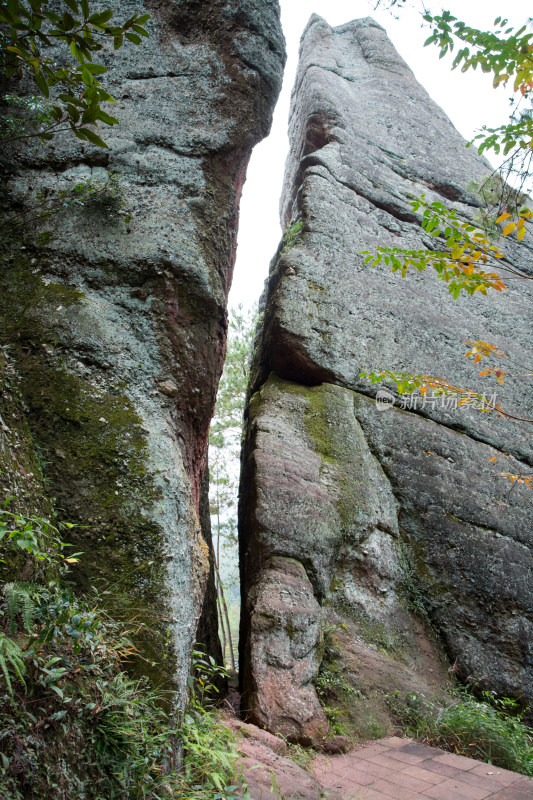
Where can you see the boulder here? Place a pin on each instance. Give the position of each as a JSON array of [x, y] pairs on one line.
[[283, 647]]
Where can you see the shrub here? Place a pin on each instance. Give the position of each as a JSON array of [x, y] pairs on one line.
[[73, 724], [490, 730]]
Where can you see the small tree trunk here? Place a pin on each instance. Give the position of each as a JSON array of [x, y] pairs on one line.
[[221, 619], [225, 607]]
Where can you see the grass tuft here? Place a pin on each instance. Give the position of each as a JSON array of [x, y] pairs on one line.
[[489, 730]]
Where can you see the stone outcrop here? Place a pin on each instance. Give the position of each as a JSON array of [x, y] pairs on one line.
[[396, 512], [284, 653], [267, 766], [113, 310]]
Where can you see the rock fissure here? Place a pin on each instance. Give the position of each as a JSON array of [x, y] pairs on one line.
[[522, 463]]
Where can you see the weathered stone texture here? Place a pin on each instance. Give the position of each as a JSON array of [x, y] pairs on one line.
[[388, 511], [284, 647], [118, 323]]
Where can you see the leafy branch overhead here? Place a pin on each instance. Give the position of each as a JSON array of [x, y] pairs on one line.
[[57, 52], [466, 252], [421, 391], [407, 383], [507, 55], [465, 258]]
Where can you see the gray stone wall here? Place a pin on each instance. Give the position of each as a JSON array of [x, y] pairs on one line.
[[385, 510], [114, 311]]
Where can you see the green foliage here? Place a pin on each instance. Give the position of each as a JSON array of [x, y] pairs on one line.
[[98, 197], [11, 660], [210, 766], [29, 30], [211, 756], [460, 265], [411, 588], [25, 117], [331, 682], [302, 756], [37, 538], [75, 725], [406, 383], [291, 234], [495, 196], [490, 730], [224, 458], [227, 420], [204, 679], [504, 53], [20, 600], [514, 134]]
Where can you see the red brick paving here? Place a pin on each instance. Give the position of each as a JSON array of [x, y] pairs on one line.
[[400, 769]]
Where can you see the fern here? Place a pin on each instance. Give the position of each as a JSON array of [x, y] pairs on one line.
[[11, 659], [19, 599]]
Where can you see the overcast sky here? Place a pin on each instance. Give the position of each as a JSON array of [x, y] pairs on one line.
[[468, 99]]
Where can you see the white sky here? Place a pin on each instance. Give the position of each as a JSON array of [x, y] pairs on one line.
[[468, 99]]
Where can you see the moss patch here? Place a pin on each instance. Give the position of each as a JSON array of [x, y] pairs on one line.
[[20, 471], [94, 454], [351, 712]]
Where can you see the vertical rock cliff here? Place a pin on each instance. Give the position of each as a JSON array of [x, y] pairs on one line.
[[377, 522], [113, 310]]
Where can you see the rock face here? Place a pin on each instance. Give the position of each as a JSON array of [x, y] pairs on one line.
[[402, 510], [284, 650], [114, 310]]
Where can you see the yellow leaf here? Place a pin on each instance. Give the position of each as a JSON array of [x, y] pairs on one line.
[[509, 229], [502, 217], [521, 233]]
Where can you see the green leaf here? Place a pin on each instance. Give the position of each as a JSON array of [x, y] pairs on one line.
[[106, 118], [140, 30], [92, 137], [42, 84], [101, 18], [95, 69], [76, 52]]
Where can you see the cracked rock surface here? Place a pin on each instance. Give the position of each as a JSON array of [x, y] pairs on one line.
[[404, 509], [116, 318]]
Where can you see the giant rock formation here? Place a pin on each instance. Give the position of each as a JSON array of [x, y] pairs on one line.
[[113, 311], [393, 526]]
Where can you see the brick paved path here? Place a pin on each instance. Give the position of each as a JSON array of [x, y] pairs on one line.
[[400, 769]]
